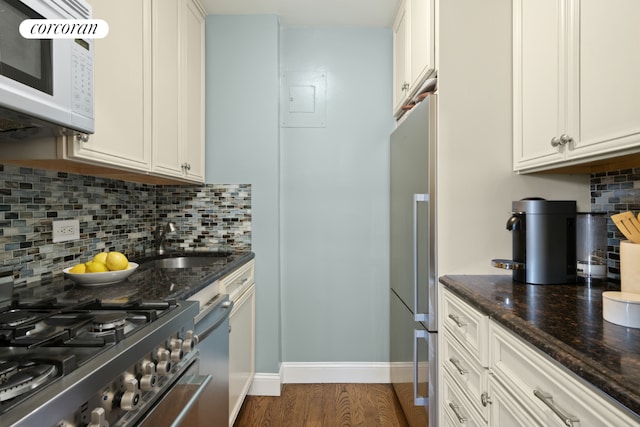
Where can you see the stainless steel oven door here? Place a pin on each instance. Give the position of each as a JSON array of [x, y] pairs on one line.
[[177, 403]]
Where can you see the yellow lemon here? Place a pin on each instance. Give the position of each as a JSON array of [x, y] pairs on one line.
[[116, 261], [96, 267], [78, 269], [101, 257]]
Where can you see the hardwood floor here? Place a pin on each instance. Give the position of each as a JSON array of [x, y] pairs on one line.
[[324, 405]]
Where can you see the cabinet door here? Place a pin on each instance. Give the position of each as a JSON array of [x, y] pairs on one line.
[[122, 88], [167, 106], [422, 52], [193, 81], [539, 104], [241, 351], [604, 69], [400, 59]]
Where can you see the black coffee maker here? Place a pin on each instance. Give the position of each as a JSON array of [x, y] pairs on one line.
[[544, 241]]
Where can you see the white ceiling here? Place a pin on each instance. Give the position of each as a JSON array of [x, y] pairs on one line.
[[324, 13]]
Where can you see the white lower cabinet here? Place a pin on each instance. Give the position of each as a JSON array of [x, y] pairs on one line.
[[463, 356], [553, 395], [468, 375], [517, 386], [242, 333], [241, 351], [457, 408], [504, 409]]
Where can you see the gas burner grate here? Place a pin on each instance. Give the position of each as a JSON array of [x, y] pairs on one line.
[[26, 378]]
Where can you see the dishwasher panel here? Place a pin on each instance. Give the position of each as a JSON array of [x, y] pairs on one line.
[[212, 327]]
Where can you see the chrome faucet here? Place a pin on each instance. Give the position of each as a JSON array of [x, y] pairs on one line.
[[160, 236]]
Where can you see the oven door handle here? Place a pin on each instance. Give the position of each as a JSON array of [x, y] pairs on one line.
[[195, 379], [227, 306]]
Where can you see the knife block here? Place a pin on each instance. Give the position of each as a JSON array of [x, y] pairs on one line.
[[629, 267]]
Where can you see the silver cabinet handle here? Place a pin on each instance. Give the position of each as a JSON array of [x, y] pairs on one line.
[[417, 198], [455, 362], [485, 399], [547, 399], [417, 335], [456, 410], [457, 320], [565, 139], [82, 137]]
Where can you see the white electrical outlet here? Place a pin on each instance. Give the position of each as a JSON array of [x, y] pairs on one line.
[[66, 230]]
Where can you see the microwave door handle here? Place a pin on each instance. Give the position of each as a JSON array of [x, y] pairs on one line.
[[417, 198]]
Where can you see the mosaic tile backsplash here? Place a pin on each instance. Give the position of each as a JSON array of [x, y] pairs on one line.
[[614, 192], [113, 215]]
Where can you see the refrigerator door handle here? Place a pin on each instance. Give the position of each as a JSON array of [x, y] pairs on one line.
[[417, 198], [418, 335]]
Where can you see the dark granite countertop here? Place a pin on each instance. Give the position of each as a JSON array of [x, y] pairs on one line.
[[146, 283], [566, 323]]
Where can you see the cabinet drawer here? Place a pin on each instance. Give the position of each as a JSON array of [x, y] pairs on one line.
[[235, 283], [466, 372], [467, 325], [506, 410], [458, 410], [533, 376]]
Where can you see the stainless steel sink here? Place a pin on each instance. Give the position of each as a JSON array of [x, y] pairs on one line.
[[184, 262]]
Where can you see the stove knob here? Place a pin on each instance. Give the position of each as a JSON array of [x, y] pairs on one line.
[[148, 367], [148, 381], [131, 397], [176, 350], [164, 364], [97, 418], [190, 341], [148, 377]]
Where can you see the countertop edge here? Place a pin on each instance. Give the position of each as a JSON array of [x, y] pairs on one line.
[[586, 368], [210, 278]]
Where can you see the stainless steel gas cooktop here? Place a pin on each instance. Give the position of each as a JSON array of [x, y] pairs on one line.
[[70, 362]]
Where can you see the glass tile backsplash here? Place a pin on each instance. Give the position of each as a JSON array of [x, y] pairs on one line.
[[113, 215], [613, 192]]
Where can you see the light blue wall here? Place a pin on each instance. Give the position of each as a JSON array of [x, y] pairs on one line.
[[334, 193], [320, 195], [242, 147]]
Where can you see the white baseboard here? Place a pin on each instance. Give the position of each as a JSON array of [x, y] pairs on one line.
[[266, 384], [336, 372]]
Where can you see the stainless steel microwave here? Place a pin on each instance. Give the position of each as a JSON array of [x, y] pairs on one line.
[[46, 85]]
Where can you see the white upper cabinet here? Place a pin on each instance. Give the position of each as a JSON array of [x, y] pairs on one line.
[[178, 89], [400, 59], [122, 137], [414, 56], [149, 90], [576, 86]]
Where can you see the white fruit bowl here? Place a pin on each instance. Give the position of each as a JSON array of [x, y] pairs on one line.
[[101, 279]]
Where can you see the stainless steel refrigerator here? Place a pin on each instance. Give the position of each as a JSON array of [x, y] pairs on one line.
[[413, 315]]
